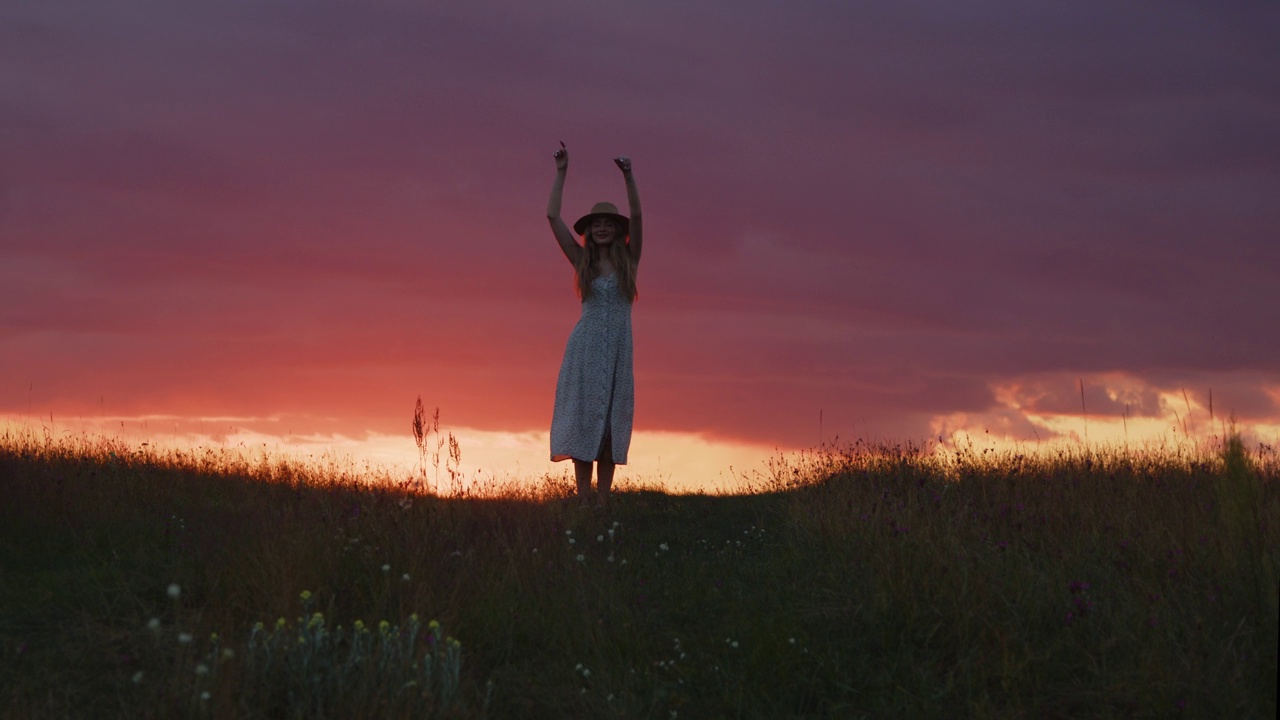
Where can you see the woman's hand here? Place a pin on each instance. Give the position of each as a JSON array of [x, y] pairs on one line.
[[623, 163], [562, 157]]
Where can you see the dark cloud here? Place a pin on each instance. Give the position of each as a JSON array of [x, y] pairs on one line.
[[884, 214]]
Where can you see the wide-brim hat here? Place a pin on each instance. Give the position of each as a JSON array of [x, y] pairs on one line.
[[602, 209]]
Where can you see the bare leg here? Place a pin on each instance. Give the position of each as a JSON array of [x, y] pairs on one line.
[[604, 471], [604, 480], [582, 473]]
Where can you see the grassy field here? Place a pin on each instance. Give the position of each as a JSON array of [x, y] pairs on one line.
[[854, 582]]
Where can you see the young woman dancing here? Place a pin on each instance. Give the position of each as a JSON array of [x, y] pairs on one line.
[[595, 392]]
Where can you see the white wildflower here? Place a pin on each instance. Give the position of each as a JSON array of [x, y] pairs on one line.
[[175, 591]]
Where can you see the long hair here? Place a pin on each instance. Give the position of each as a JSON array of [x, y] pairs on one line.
[[588, 266]]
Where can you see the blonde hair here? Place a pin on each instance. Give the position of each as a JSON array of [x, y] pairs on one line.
[[588, 266]]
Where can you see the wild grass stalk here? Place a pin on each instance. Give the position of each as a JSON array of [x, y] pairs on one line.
[[446, 444]]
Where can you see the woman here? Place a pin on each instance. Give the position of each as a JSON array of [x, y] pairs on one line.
[[595, 392]]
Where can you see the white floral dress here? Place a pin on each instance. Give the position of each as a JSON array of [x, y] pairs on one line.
[[595, 393]]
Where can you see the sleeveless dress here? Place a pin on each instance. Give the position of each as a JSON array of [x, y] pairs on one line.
[[595, 393]]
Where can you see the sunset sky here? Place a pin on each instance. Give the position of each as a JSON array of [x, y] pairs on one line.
[[908, 219]]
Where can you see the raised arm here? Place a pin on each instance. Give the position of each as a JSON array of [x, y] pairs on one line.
[[633, 199], [563, 235]]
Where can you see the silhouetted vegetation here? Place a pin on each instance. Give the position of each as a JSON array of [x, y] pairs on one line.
[[862, 581]]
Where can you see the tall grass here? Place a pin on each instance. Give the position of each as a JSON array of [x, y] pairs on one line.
[[859, 581]]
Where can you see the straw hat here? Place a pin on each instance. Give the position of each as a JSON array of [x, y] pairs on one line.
[[602, 209]]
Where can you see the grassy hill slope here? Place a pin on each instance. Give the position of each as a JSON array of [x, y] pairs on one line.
[[859, 582]]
